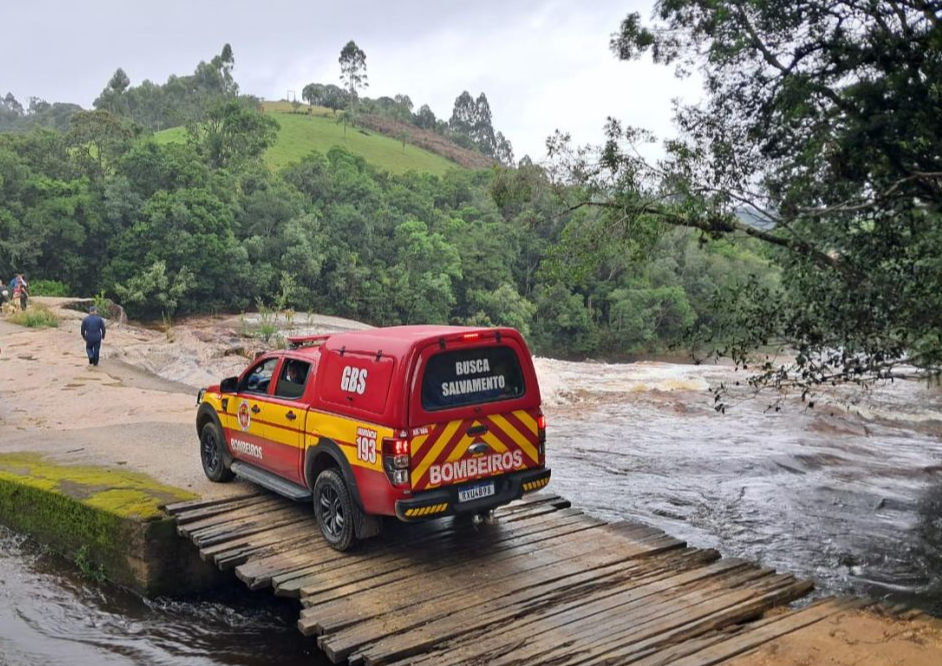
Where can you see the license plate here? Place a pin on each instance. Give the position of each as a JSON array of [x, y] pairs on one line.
[[476, 491]]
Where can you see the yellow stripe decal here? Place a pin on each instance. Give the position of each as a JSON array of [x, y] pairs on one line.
[[432, 454], [519, 438], [528, 421]]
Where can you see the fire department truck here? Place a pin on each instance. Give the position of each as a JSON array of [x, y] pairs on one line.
[[416, 422]]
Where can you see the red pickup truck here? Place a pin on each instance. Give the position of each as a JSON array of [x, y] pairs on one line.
[[416, 422]]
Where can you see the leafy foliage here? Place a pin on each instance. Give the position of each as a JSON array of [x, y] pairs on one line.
[[353, 68], [819, 137], [202, 224]]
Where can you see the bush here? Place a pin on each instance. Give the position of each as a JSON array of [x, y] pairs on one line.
[[37, 316], [48, 288]]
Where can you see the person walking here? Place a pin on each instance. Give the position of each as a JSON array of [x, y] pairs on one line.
[[24, 292], [93, 332], [16, 294]]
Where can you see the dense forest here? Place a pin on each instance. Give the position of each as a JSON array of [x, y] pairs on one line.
[[204, 226], [797, 209]]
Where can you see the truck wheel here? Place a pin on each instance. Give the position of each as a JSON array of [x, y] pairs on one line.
[[213, 454], [334, 509]]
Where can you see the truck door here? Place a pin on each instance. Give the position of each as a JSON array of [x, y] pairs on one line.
[[287, 413], [246, 415]]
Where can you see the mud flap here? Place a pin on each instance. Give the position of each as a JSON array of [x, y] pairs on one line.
[[366, 526]]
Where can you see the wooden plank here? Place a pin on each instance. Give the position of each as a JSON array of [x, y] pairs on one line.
[[706, 618], [629, 628], [247, 550], [747, 640], [269, 522], [543, 584], [539, 643], [466, 549], [433, 550], [558, 536], [179, 507], [275, 538], [410, 632], [228, 515], [464, 582]]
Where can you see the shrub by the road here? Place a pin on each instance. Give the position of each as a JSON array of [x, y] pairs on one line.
[[37, 316]]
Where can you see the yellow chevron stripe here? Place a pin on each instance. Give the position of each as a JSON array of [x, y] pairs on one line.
[[494, 442], [528, 421], [432, 454], [415, 447], [520, 439]]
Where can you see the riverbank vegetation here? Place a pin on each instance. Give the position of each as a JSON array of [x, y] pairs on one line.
[[819, 136], [36, 316], [798, 209], [169, 228]]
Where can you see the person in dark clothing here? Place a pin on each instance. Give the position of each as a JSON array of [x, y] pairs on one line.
[[24, 291], [93, 332]]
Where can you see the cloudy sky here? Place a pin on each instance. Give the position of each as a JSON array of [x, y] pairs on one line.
[[544, 64]]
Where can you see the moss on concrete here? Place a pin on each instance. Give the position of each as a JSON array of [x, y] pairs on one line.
[[124, 493], [111, 515]]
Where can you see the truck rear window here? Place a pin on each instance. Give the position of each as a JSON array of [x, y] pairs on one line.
[[471, 377]]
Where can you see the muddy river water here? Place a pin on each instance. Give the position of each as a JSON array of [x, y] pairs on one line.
[[848, 493]]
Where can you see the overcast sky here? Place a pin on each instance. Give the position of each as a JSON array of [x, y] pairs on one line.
[[543, 64]]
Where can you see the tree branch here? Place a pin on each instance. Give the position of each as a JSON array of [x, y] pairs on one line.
[[723, 224]]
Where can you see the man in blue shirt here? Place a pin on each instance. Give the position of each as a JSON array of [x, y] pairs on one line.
[[93, 332]]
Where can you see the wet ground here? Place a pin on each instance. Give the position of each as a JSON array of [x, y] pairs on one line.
[[50, 614], [849, 494]]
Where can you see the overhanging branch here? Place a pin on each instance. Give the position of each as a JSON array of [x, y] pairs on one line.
[[724, 224]]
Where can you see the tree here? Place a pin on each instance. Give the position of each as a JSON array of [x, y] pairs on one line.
[[348, 117], [472, 118], [232, 133], [313, 94], [335, 98], [152, 291], [353, 68], [422, 279], [463, 115], [818, 135], [113, 98], [100, 135], [10, 102], [425, 118], [184, 233], [504, 152]]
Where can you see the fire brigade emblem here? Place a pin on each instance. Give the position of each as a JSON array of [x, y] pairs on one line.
[[245, 417]]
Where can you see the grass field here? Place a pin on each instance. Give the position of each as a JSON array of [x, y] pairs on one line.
[[302, 133]]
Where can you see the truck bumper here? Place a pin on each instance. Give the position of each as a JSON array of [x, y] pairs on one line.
[[445, 502]]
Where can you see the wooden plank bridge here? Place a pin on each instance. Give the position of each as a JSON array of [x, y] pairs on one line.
[[542, 583]]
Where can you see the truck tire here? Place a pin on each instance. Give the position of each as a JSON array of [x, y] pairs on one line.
[[213, 454], [334, 509]]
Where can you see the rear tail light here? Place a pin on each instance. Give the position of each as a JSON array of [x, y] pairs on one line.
[[541, 432], [396, 460]]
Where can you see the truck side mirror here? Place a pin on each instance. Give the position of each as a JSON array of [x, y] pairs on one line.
[[229, 385]]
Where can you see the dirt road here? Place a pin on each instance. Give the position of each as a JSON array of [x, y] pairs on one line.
[[53, 402]]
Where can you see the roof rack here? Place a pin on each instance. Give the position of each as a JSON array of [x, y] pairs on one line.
[[297, 341]]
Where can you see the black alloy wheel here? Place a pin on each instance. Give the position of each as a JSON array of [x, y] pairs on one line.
[[334, 509], [213, 456]]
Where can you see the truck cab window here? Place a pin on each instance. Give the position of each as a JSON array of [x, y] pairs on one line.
[[259, 377], [292, 379]]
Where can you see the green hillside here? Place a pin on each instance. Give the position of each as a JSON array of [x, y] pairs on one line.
[[319, 130]]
